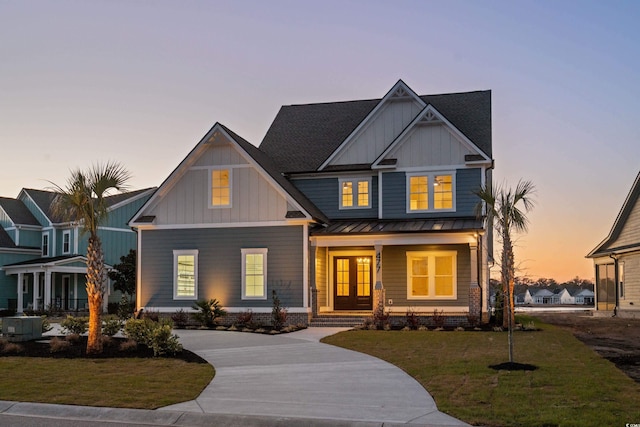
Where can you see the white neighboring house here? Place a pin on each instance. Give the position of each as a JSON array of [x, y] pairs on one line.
[[585, 296], [528, 299], [565, 297], [545, 296]]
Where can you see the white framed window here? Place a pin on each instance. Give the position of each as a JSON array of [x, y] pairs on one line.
[[220, 188], [355, 193], [254, 273], [185, 274], [432, 275], [45, 244], [431, 192], [66, 241]]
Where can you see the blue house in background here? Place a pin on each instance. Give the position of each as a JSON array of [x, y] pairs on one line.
[[344, 207], [42, 257]]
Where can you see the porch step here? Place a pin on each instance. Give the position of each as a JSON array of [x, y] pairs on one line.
[[336, 321]]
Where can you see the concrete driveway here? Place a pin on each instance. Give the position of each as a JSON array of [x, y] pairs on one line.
[[296, 376]]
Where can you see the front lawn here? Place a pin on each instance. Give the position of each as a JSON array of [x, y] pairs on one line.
[[145, 383], [572, 386]]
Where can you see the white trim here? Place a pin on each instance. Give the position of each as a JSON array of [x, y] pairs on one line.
[[365, 122], [430, 255], [130, 199], [121, 230], [215, 225], [380, 196], [76, 238], [66, 233], [430, 191], [139, 270], [34, 204], [355, 252], [45, 235], [20, 251], [355, 193], [253, 251], [395, 239], [229, 170], [194, 253], [210, 167]]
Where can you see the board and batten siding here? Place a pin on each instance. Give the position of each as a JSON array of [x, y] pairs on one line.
[[429, 145], [219, 264], [119, 217], [381, 130], [253, 199], [631, 299], [630, 233], [394, 275], [220, 154], [325, 194], [394, 195]]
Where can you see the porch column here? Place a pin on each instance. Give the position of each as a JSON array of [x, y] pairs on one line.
[[20, 308], [75, 291], [474, 287], [378, 291], [46, 302], [36, 289], [315, 306]]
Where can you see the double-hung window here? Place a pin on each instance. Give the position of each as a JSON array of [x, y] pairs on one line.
[[185, 274], [254, 273], [430, 192], [220, 188], [66, 241], [355, 193], [431, 275]]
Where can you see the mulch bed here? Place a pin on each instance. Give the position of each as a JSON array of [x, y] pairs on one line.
[[77, 349]]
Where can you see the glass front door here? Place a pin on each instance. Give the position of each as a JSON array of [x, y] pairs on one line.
[[352, 277]]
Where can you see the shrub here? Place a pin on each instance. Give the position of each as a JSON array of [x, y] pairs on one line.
[[473, 320], [155, 335], [57, 345], [151, 315], [412, 320], [12, 348], [46, 325], [125, 308], [180, 318], [278, 313], [438, 318], [107, 341], [111, 326], [73, 338], [128, 345], [208, 311], [380, 319], [75, 325], [245, 318]]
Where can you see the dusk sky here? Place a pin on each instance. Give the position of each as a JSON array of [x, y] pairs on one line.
[[140, 82]]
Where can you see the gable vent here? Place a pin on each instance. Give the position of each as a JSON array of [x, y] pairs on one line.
[[430, 118]]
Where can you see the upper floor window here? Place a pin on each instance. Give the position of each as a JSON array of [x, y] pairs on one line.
[[355, 193], [431, 275], [45, 245], [254, 273], [433, 191], [185, 274], [66, 241], [220, 188]]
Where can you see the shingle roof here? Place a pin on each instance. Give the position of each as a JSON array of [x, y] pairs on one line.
[[267, 164], [18, 211], [302, 137], [44, 199], [5, 239]]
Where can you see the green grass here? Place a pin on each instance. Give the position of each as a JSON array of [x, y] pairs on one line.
[[572, 386], [118, 382]]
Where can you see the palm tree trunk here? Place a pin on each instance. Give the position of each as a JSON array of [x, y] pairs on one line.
[[509, 282], [95, 292]]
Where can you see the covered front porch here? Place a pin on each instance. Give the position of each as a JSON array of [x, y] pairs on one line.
[[55, 283], [401, 266]]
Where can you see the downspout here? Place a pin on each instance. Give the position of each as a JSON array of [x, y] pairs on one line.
[[615, 278]]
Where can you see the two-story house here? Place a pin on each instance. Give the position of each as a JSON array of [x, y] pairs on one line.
[[344, 206], [42, 257]]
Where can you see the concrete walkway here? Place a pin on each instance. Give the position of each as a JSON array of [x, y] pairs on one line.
[[296, 376]]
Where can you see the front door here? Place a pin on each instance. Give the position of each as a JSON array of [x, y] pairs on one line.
[[352, 277]]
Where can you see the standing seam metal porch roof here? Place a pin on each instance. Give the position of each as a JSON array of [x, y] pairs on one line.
[[366, 226]]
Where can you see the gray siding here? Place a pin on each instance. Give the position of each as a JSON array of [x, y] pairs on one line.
[[395, 195], [324, 193], [632, 282], [219, 264], [394, 275]]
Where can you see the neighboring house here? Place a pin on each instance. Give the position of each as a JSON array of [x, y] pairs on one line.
[[564, 297], [584, 296], [617, 260], [344, 205], [528, 298], [42, 257], [545, 296]]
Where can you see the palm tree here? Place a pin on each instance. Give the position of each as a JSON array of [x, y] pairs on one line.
[[84, 200], [503, 211]]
